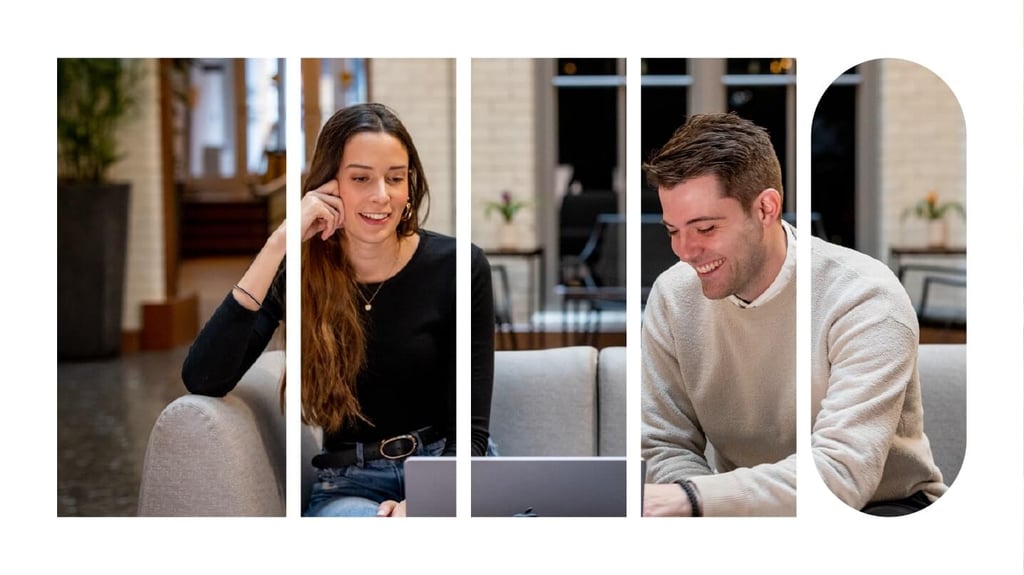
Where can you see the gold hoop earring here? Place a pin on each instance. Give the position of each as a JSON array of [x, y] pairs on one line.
[[407, 212]]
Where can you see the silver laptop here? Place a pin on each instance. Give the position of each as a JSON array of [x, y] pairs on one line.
[[549, 486], [430, 486]]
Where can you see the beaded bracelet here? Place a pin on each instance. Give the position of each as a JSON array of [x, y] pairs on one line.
[[691, 494], [252, 297]]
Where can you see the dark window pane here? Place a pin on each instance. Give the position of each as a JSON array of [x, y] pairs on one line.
[[662, 110], [766, 107], [587, 134], [833, 160], [586, 67], [663, 66], [761, 66]]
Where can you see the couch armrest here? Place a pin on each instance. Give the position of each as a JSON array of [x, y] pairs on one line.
[[544, 402], [210, 456], [611, 401]]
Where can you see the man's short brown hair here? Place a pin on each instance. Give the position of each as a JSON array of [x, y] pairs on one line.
[[736, 150]]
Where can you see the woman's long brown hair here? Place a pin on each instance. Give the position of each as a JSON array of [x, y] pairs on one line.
[[333, 335]]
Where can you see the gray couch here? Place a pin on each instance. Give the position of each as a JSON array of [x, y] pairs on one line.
[[568, 401], [226, 456], [210, 456], [943, 369]]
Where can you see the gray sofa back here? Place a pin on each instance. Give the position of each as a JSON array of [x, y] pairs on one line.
[[567, 401], [943, 369], [226, 456]]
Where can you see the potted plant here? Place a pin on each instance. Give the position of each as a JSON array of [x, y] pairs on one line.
[[934, 213], [507, 207], [93, 96]]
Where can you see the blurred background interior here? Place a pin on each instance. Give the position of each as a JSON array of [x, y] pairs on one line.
[[888, 178], [203, 153], [549, 137]]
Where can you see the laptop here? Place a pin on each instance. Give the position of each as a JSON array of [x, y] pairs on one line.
[[430, 486], [549, 486]]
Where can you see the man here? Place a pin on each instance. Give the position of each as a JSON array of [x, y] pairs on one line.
[[719, 355]]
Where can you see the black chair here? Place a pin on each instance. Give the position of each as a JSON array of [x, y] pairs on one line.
[[503, 308], [655, 252], [934, 316], [594, 281], [577, 217]]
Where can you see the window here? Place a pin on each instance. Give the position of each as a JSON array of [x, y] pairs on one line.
[[762, 90], [833, 159], [236, 107]]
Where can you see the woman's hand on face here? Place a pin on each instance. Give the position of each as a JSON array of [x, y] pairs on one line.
[[391, 508], [323, 212]]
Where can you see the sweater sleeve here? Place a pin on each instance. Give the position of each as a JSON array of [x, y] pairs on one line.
[[482, 321], [873, 359], [230, 342], [673, 441], [767, 490]]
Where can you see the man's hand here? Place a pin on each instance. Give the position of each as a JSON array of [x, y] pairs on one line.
[[391, 508], [666, 500]]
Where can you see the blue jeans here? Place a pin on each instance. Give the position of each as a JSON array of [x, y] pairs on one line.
[[492, 448], [358, 489]]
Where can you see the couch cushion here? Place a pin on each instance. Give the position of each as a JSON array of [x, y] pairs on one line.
[[611, 400], [544, 402]]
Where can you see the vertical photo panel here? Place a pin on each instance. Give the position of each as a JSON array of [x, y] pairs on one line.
[[718, 334], [378, 289], [171, 237], [548, 213], [888, 287]]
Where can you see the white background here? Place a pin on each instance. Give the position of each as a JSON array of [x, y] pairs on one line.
[[976, 47]]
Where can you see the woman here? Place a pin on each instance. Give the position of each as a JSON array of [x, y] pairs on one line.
[[378, 317]]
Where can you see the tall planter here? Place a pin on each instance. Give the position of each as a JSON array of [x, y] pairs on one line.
[[92, 234]]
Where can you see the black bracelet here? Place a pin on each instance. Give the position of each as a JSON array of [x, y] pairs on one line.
[[253, 298], [691, 494]]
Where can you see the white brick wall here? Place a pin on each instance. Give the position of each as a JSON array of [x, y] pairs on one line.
[[422, 93], [504, 135], [139, 139], [923, 149]]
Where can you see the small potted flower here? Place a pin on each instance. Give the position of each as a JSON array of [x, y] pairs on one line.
[[507, 207], [934, 213]]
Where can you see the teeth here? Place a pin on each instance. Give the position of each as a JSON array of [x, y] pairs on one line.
[[375, 216], [709, 266]]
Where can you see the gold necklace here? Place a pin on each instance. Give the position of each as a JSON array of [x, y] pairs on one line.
[[368, 303]]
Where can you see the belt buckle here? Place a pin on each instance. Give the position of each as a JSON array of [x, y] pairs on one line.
[[386, 442]]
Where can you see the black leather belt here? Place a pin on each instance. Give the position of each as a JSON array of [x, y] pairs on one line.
[[397, 447]]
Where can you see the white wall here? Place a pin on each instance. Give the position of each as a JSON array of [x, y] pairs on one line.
[[422, 93], [922, 149], [922, 143], [504, 156], [139, 139]]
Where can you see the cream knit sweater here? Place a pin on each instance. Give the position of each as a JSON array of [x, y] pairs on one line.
[[867, 435], [719, 404]]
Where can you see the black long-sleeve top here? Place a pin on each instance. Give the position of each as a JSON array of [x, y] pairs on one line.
[[408, 381]]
